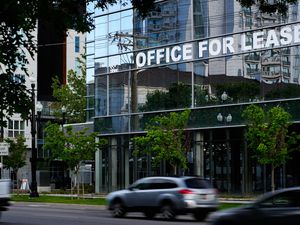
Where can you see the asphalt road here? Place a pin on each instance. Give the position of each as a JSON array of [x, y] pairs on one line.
[[60, 214]]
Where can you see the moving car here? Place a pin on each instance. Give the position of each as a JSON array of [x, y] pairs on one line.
[[169, 196], [281, 207], [5, 194]]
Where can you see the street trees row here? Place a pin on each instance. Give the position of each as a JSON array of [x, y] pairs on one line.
[[267, 135]]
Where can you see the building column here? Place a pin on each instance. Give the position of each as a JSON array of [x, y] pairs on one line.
[[113, 168], [228, 166], [198, 154], [126, 167], [98, 169], [211, 158], [247, 170]]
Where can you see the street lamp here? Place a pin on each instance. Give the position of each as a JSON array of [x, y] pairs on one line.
[[224, 96], [38, 107], [226, 119]]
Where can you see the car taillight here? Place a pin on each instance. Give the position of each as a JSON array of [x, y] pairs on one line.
[[185, 191]]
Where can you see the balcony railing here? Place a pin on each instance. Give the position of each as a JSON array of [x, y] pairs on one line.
[[200, 118]]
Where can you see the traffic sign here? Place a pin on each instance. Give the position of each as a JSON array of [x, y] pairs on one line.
[[4, 148]]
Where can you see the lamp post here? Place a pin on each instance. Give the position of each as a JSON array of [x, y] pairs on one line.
[[226, 119], [38, 107]]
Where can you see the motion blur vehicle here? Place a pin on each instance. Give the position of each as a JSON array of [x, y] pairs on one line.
[[5, 194], [169, 196], [281, 207]]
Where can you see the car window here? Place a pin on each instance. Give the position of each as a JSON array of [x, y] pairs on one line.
[[142, 186], [197, 183], [286, 199], [162, 184]]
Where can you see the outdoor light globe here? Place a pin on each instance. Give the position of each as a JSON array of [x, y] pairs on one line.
[[39, 107], [224, 96], [220, 117], [229, 118]]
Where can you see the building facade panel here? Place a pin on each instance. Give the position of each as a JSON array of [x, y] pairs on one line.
[[186, 54]]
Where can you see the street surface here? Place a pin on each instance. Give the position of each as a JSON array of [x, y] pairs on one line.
[[59, 214]]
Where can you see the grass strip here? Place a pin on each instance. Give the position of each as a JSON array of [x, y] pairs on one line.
[[59, 199], [87, 201], [230, 205]]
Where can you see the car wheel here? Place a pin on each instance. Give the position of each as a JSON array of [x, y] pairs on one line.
[[118, 210], [200, 216], [167, 212], [149, 214]]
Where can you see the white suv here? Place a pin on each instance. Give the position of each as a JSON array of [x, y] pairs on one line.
[[166, 195]]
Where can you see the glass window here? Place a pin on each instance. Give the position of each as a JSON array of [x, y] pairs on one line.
[[142, 186], [10, 124], [163, 184], [90, 75], [16, 125], [22, 125], [77, 44], [90, 48], [286, 199], [101, 66], [197, 183], [89, 61], [101, 95], [101, 38], [16, 128]]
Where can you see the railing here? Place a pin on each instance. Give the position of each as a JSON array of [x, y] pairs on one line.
[[201, 117]]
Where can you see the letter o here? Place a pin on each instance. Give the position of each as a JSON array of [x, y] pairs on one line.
[[215, 47], [140, 59]]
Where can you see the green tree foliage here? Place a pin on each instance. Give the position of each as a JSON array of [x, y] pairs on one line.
[[165, 140], [268, 6], [290, 91], [70, 146], [239, 91], [14, 99], [72, 95], [17, 154], [18, 19], [178, 95], [267, 135]]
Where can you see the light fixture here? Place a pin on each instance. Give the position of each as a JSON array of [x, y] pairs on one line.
[[63, 109], [39, 107], [224, 96], [228, 118], [220, 117]]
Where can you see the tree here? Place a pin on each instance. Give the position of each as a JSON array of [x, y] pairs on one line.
[[72, 95], [17, 154], [14, 99], [70, 146], [18, 19], [165, 140], [267, 136], [267, 6]]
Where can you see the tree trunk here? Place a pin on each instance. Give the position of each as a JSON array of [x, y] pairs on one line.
[[273, 177]]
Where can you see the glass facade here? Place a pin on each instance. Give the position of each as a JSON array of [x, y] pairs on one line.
[[185, 54]]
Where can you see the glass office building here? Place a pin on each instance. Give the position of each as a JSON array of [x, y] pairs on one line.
[[213, 57]]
